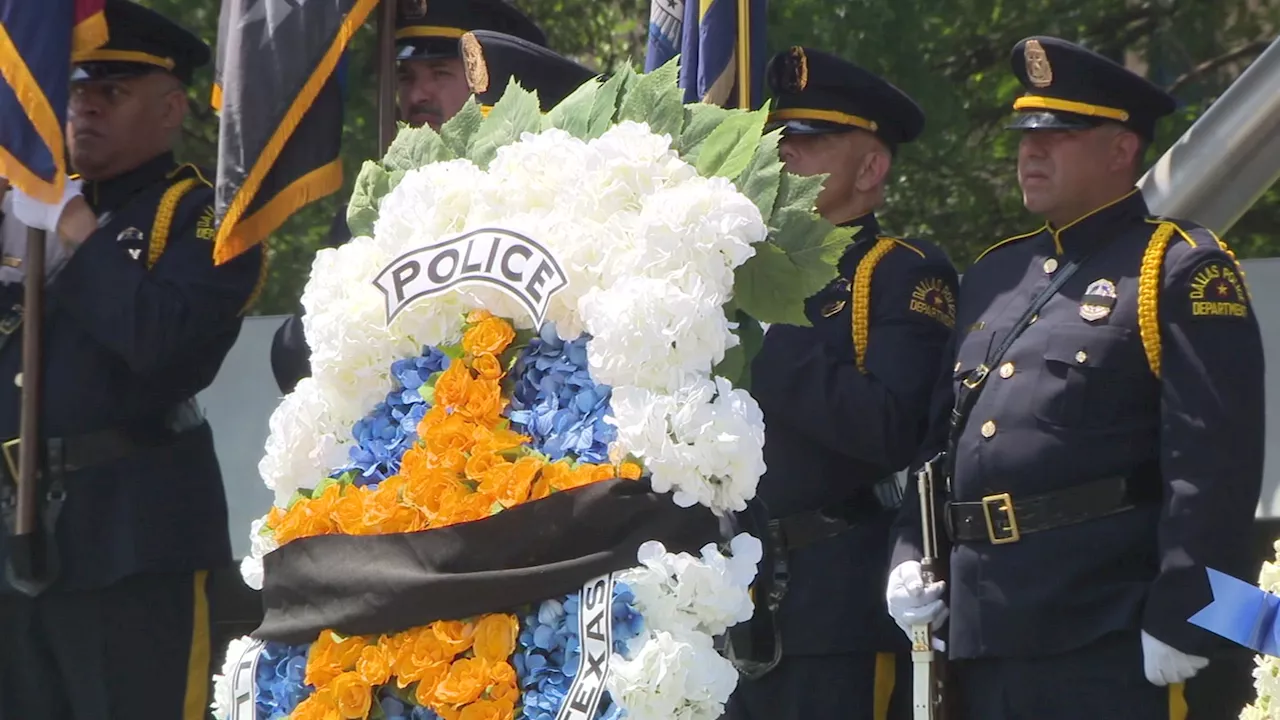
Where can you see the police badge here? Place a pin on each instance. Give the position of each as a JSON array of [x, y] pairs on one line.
[[473, 59], [1039, 71], [1098, 300]]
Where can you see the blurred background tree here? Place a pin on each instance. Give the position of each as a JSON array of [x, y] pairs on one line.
[[956, 185]]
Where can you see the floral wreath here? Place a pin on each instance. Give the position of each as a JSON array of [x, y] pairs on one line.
[[535, 520]]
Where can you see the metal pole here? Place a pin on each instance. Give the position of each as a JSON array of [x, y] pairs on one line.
[[386, 75], [1229, 157], [29, 430], [744, 54]]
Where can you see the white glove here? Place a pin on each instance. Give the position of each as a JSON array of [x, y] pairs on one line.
[[911, 602], [1165, 665], [43, 216]]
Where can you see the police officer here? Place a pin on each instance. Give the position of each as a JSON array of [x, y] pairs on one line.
[[137, 321], [844, 402], [1108, 440], [431, 87]]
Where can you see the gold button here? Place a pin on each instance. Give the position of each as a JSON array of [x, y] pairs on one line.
[[1034, 318], [17, 379], [988, 428], [1006, 370], [1050, 265], [957, 366], [1082, 356]]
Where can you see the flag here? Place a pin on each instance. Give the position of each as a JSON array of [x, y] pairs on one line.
[[717, 41], [280, 104], [37, 40]]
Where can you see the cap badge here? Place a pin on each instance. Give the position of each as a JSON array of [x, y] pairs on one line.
[[413, 9], [795, 71], [1098, 300], [1039, 71], [473, 58]]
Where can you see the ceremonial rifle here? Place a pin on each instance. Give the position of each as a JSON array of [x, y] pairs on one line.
[[929, 667]]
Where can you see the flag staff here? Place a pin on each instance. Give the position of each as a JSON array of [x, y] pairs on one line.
[[386, 74], [743, 54], [29, 431]]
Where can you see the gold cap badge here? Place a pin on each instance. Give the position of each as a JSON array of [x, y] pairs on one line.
[[797, 75], [473, 58], [1039, 71], [413, 9]]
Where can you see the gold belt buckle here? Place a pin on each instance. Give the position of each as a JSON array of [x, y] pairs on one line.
[[1002, 502], [7, 448], [977, 377]]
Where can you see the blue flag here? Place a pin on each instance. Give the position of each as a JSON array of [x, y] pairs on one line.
[[717, 41], [36, 43], [1242, 613]]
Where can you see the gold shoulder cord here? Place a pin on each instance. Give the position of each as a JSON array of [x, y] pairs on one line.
[[861, 294]]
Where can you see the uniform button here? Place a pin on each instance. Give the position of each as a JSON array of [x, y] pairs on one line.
[[17, 379], [988, 428], [1006, 370], [1034, 318], [1050, 265], [957, 367], [1082, 356]]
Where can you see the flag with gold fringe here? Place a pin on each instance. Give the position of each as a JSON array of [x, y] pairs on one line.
[[280, 103], [37, 40], [718, 41]]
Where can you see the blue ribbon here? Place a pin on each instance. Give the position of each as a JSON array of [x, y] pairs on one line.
[[1242, 613]]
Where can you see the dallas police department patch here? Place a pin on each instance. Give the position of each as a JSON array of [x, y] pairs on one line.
[[515, 264], [205, 226], [932, 297], [1216, 290], [1099, 298]]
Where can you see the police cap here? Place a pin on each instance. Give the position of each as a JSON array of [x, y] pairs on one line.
[[140, 41], [816, 92], [494, 59], [430, 29], [1069, 87]]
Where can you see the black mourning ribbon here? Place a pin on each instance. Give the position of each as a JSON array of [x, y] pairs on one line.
[[373, 584]]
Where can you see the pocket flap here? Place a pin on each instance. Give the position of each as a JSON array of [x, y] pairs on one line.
[[1090, 347]]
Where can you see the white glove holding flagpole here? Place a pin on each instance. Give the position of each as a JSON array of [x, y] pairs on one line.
[[911, 602], [1166, 665], [43, 216]]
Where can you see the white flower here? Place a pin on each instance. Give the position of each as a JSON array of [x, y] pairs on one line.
[[673, 677], [686, 594], [303, 445], [260, 544], [223, 697]]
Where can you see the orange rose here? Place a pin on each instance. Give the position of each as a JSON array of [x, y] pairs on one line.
[[428, 492], [502, 683], [421, 656], [404, 520], [489, 710], [348, 513], [455, 636], [445, 712], [557, 475], [374, 665], [320, 706], [496, 637], [453, 385], [511, 484], [353, 695], [481, 463], [451, 433], [463, 507], [491, 335], [487, 366], [476, 316], [483, 402], [330, 655], [630, 471], [467, 678]]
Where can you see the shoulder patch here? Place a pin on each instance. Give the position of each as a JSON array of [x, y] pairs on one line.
[[934, 298], [1216, 290], [205, 226]]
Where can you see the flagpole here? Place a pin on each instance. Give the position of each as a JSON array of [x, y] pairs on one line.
[[28, 430], [744, 54], [386, 75]]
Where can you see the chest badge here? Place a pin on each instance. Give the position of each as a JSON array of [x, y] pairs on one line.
[[1099, 298], [130, 234]]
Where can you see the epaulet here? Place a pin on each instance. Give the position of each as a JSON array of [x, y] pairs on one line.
[[904, 242], [189, 170], [861, 293], [1149, 276], [1009, 240]]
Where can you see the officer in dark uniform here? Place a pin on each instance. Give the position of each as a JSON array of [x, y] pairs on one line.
[[137, 321], [845, 403], [1112, 449], [431, 87]]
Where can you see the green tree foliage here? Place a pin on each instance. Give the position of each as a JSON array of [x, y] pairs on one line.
[[956, 185]]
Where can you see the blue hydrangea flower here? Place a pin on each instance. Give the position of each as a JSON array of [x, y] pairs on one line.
[[397, 708], [280, 680], [391, 428], [548, 652], [556, 402]]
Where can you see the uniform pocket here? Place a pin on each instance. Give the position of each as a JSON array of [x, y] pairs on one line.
[[1090, 378]]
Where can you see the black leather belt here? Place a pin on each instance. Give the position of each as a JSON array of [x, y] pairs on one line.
[[1002, 518], [806, 528]]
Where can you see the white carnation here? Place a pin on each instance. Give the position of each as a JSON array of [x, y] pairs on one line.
[[303, 445], [673, 677], [260, 544], [223, 693], [686, 594]]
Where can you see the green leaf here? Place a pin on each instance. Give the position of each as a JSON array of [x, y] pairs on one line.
[[459, 132], [656, 99], [297, 497], [573, 114], [699, 120], [773, 285], [372, 184], [763, 177], [323, 485], [605, 105], [414, 148], [800, 193], [751, 337], [732, 366], [729, 148], [812, 244], [516, 113], [760, 286]]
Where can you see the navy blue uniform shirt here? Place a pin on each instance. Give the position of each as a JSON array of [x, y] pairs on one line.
[[123, 344], [838, 420], [1156, 376]]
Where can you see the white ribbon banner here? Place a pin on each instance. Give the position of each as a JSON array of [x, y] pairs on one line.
[[595, 640], [513, 263], [244, 687]]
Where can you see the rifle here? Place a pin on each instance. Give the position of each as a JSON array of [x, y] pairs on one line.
[[929, 667]]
